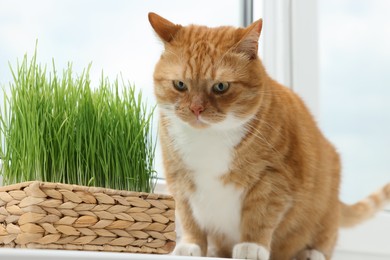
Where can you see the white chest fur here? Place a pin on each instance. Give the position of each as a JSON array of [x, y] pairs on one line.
[[208, 154]]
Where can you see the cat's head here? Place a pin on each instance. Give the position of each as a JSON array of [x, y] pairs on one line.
[[208, 77]]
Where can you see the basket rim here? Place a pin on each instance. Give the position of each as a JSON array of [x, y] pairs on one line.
[[75, 187]]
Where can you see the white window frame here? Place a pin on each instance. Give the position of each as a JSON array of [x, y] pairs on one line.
[[290, 46]]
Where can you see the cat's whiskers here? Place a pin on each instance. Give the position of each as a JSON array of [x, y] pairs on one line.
[[257, 134], [263, 122]]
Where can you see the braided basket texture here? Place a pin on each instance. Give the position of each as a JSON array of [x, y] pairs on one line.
[[61, 216]]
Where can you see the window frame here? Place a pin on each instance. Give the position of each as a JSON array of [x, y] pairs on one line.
[[290, 46]]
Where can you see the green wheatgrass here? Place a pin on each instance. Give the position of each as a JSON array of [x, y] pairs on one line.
[[58, 129]]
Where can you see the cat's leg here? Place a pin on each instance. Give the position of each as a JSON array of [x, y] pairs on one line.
[[261, 213], [194, 241], [326, 237], [220, 246]]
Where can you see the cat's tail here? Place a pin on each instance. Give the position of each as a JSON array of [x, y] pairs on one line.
[[354, 214]]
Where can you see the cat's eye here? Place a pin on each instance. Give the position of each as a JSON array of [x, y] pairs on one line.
[[220, 87], [179, 85]]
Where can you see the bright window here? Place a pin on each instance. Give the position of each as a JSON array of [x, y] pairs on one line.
[[354, 99]]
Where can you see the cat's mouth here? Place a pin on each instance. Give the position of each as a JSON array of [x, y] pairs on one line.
[[198, 122]]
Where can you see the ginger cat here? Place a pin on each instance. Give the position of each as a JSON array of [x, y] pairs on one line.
[[251, 173]]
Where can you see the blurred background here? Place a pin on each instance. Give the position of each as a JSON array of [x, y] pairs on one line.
[[353, 88]]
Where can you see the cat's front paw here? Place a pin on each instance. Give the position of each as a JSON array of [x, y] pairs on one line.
[[250, 251], [187, 249], [311, 254]]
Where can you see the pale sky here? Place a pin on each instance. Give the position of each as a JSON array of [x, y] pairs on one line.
[[355, 90], [117, 38]]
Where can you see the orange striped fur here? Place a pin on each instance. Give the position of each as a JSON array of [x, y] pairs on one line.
[[282, 173]]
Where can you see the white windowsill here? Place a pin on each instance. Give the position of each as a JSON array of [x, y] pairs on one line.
[[41, 254]]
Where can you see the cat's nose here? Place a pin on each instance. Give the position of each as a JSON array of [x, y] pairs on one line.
[[197, 109]]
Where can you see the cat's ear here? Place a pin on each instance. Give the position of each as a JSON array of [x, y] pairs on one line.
[[250, 40], [165, 29]]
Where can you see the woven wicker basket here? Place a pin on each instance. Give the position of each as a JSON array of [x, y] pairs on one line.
[[61, 216]]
